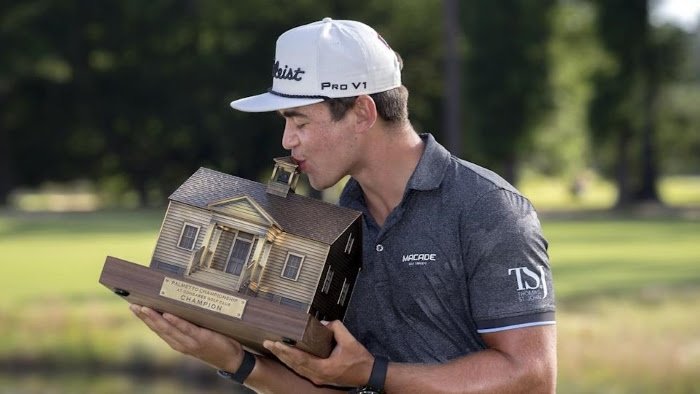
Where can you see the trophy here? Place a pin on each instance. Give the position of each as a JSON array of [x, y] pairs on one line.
[[252, 261]]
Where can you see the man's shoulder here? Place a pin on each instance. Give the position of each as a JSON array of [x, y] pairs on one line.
[[471, 180], [484, 198]]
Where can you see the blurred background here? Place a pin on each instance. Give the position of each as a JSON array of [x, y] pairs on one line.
[[590, 107]]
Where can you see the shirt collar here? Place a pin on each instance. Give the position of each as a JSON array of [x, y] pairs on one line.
[[431, 167]]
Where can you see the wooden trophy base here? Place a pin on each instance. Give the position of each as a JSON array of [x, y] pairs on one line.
[[247, 319]]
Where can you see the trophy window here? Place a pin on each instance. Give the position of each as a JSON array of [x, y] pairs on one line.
[[188, 236], [344, 292], [292, 266], [283, 176], [348, 245], [327, 282]]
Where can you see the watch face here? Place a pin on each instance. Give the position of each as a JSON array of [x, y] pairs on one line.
[[225, 374], [367, 390]]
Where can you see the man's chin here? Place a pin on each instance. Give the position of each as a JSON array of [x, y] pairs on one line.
[[317, 185]]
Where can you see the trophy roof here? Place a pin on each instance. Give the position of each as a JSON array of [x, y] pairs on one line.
[[296, 214]]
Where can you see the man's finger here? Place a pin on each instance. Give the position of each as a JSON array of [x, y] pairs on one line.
[[175, 338], [300, 361], [296, 359], [340, 332], [182, 325]]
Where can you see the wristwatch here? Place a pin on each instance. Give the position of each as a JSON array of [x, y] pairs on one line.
[[375, 385], [367, 390], [243, 371]]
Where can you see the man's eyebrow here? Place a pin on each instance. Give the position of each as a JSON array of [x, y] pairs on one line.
[[290, 113]]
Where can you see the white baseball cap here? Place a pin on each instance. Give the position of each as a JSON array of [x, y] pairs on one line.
[[326, 59]]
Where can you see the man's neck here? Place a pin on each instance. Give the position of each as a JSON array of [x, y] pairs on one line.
[[391, 158]]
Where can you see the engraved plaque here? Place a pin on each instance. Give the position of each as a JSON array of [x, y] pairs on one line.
[[202, 297]]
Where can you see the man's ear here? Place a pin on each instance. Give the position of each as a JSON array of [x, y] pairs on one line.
[[365, 112]]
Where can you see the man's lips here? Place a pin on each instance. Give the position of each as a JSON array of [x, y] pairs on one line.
[[299, 162]]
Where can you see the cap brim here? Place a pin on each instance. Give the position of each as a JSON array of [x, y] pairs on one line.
[[270, 102]]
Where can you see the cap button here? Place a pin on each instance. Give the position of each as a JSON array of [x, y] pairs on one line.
[[327, 19]]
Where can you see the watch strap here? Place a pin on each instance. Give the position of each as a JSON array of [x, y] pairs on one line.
[[378, 375], [243, 371]]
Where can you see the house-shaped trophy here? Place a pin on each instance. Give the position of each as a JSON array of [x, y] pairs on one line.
[[249, 260]]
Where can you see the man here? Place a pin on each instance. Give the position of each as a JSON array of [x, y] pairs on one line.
[[455, 294]]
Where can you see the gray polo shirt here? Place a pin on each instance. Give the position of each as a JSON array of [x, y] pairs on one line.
[[461, 255]]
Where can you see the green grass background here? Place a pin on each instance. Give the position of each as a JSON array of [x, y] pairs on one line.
[[628, 295]]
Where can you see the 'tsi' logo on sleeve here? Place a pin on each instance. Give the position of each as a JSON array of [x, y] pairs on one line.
[[530, 283]]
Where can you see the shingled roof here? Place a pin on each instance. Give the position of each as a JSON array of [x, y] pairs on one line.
[[298, 215]]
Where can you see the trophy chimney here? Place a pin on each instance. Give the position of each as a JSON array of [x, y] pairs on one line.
[[284, 177]]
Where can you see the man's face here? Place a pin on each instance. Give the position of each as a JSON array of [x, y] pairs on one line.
[[323, 148]]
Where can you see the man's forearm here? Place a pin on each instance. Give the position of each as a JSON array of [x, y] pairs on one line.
[[532, 370], [487, 371], [484, 372], [518, 360]]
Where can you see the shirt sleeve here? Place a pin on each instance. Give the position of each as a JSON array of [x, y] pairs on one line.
[[508, 272]]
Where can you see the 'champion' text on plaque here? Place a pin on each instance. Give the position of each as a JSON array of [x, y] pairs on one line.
[[202, 297]]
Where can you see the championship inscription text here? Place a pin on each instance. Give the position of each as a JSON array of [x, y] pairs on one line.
[[202, 297]]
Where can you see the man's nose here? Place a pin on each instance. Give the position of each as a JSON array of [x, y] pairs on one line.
[[290, 139]]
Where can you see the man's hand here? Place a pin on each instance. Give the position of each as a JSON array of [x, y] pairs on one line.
[[211, 347], [349, 364]]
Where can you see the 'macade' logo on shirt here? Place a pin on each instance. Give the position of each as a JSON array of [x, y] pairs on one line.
[[286, 72], [418, 258]]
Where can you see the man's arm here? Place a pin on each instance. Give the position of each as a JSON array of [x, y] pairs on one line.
[[519, 360], [222, 352]]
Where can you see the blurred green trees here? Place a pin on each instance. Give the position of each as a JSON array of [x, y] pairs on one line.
[[625, 108], [134, 95], [507, 73]]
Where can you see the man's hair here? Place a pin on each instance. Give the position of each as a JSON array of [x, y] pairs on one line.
[[392, 105]]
